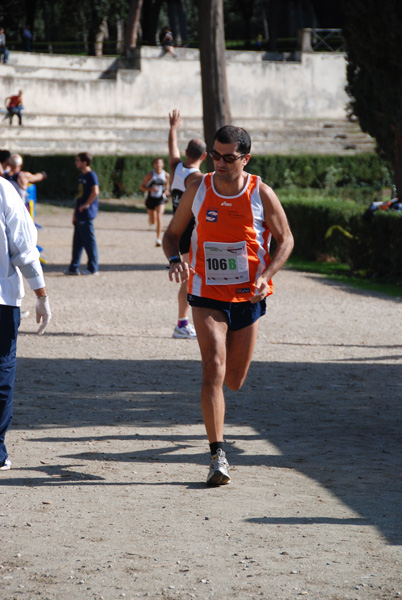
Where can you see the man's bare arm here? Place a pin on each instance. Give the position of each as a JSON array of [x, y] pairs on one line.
[[144, 185], [197, 176], [277, 222], [179, 271], [167, 185], [25, 178], [174, 152]]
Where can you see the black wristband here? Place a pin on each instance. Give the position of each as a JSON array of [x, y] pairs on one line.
[[174, 259]]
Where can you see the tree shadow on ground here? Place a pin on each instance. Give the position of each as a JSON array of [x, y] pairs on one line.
[[337, 423], [106, 268]]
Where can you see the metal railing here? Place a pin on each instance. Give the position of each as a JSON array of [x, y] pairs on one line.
[[309, 40], [110, 48], [327, 40]]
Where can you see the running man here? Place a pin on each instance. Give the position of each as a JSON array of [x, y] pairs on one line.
[[229, 273], [183, 174], [156, 184]]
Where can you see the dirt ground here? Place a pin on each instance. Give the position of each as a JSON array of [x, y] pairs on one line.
[[106, 497]]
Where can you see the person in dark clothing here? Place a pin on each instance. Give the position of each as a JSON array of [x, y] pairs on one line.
[[86, 209]]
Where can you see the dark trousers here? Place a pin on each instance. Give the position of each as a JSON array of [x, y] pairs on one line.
[[84, 238], [9, 323], [3, 54], [15, 111]]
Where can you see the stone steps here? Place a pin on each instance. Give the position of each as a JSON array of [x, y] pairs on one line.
[[68, 134]]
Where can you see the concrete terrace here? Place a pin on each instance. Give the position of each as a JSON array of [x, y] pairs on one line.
[[96, 103]]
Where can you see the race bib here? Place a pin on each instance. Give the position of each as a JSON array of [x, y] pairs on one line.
[[225, 264]]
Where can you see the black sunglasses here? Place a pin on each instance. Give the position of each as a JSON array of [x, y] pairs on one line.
[[228, 158]]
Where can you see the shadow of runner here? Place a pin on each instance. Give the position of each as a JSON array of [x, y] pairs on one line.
[[339, 424]]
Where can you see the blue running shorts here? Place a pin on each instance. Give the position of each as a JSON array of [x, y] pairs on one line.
[[239, 314]]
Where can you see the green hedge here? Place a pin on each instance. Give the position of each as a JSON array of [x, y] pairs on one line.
[[118, 175], [331, 228], [322, 171], [122, 175], [369, 246]]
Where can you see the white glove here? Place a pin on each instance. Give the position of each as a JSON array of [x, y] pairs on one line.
[[43, 313]]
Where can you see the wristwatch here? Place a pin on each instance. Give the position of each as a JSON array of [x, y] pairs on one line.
[[174, 259]]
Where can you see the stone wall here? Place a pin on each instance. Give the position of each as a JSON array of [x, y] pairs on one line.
[[95, 103], [312, 88]]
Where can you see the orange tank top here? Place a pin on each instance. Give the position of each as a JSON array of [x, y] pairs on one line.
[[230, 242]]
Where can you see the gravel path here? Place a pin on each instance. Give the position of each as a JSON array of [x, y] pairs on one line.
[[106, 497]]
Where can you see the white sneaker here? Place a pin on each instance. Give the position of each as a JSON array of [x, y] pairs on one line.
[[158, 243], [187, 332], [6, 466], [24, 314], [218, 469]]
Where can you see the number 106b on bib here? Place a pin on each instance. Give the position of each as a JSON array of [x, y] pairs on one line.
[[225, 264]]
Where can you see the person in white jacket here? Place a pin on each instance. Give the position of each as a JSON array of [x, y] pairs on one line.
[[18, 256]]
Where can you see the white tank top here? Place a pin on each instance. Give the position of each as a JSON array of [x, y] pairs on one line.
[[158, 179], [13, 179], [179, 182]]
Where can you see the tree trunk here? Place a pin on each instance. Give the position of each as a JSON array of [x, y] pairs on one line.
[[133, 25], [101, 36], [177, 12], [119, 35], [150, 16], [398, 163], [30, 11], [215, 97]]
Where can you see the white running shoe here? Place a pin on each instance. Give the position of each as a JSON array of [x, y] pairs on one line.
[[158, 243], [6, 466], [218, 469], [187, 332]]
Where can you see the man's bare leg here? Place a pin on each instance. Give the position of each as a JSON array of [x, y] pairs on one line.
[[159, 214], [211, 327], [151, 216], [182, 300], [182, 295], [239, 352]]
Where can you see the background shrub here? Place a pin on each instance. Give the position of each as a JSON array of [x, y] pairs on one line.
[[118, 175], [317, 171], [369, 247], [324, 220], [122, 176]]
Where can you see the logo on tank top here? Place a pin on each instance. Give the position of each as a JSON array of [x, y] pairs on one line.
[[224, 203], [211, 216]]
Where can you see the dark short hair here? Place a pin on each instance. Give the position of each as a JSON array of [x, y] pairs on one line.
[[85, 157], [4, 155], [196, 148], [228, 134]]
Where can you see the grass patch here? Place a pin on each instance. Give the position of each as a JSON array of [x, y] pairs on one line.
[[343, 274], [363, 195]]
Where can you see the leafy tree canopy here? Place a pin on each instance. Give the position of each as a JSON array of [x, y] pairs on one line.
[[373, 37], [245, 20]]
